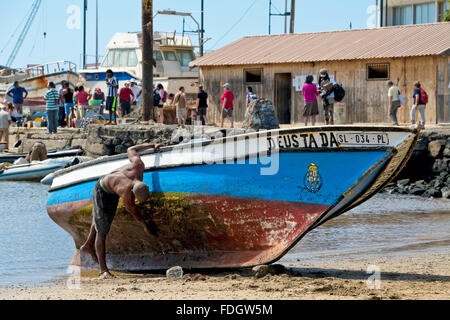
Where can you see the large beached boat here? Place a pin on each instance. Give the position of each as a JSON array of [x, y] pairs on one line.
[[172, 55], [35, 79], [236, 201]]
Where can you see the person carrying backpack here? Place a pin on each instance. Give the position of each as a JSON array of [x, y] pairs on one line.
[[420, 99]]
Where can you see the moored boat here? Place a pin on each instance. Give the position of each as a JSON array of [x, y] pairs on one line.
[[37, 170], [52, 154], [236, 201]]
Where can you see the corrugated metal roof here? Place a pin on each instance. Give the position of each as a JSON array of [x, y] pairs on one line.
[[388, 42]]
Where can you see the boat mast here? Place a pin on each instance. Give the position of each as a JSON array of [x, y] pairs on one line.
[[96, 33], [84, 34]]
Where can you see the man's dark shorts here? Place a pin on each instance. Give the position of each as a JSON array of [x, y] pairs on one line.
[[202, 112], [111, 104], [105, 207], [227, 113]]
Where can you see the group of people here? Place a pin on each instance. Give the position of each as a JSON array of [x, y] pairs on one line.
[[325, 90], [395, 98]]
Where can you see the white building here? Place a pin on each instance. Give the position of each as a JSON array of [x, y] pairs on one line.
[[405, 12]]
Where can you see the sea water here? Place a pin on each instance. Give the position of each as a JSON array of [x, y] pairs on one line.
[[34, 250]]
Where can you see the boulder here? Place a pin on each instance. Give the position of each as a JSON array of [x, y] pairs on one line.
[[261, 114], [445, 193], [436, 148], [402, 183], [432, 193], [260, 271]]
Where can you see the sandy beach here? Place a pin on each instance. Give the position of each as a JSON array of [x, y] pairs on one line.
[[415, 277]]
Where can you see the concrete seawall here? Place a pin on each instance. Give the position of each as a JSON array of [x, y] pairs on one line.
[[426, 174]]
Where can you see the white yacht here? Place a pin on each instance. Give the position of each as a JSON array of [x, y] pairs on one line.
[[172, 55]]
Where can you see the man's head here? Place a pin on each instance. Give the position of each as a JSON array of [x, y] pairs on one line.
[[160, 86], [182, 89], [141, 191], [227, 86], [51, 85], [127, 84], [16, 84], [3, 107], [323, 73], [109, 73], [389, 83], [200, 88]]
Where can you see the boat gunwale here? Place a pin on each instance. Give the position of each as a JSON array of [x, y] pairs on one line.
[[249, 134]]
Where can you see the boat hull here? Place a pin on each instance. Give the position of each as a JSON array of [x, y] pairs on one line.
[[244, 211]]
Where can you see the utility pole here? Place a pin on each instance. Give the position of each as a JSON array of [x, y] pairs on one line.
[[202, 38], [147, 58], [84, 33], [292, 29], [285, 17]]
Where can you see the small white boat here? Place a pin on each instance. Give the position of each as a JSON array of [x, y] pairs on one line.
[[37, 170]]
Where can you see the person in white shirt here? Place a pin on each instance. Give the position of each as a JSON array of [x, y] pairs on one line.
[[5, 122]]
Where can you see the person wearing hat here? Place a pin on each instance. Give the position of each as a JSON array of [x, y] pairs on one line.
[[227, 104], [326, 92], [137, 91]]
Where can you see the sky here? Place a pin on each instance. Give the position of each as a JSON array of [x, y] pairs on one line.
[[225, 22]]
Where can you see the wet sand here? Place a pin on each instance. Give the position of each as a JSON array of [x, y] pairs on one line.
[[425, 276]]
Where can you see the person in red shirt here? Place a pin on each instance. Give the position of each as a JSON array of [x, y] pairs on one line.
[[125, 95], [227, 104]]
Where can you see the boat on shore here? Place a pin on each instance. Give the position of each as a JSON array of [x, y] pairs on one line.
[[52, 154], [35, 79], [236, 201], [37, 170]]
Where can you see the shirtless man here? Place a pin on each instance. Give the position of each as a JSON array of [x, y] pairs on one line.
[[126, 183]]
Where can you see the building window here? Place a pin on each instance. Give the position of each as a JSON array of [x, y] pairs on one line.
[[253, 75], [402, 16], [378, 71], [425, 13]]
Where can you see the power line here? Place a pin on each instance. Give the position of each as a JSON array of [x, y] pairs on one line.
[[234, 25]]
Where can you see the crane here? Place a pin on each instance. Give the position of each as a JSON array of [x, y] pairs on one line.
[[23, 34]]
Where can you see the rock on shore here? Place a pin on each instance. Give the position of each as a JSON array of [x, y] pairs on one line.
[[427, 173]]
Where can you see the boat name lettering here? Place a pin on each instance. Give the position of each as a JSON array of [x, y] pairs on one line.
[[326, 140]]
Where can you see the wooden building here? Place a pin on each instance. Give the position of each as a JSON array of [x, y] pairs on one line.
[[361, 60]]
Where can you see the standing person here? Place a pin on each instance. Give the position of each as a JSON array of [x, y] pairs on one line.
[[125, 98], [137, 91], [181, 104], [139, 96], [17, 94], [52, 102], [251, 96], [99, 97], [111, 98], [61, 107], [326, 87], [310, 94], [163, 98], [420, 99], [5, 122], [68, 96], [227, 104], [394, 101], [126, 183], [202, 105], [82, 98]]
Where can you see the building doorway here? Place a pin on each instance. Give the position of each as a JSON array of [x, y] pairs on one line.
[[283, 97]]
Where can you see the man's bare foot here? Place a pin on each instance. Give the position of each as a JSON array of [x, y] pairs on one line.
[[91, 251], [107, 275]]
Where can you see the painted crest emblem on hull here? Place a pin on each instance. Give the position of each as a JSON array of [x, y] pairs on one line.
[[313, 180]]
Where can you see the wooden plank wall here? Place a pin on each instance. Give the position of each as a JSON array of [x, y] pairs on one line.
[[366, 101]]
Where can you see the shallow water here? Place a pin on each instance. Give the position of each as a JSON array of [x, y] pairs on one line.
[[34, 249]]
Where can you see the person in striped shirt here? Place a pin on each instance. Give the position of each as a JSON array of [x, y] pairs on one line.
[[52, 105], [111, 100]]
